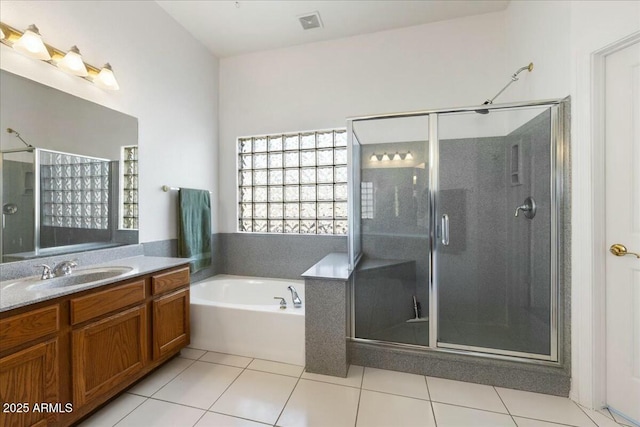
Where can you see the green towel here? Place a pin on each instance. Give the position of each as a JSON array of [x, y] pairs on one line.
[[194, 228]]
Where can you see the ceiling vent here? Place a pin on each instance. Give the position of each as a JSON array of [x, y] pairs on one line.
[[310, 21]]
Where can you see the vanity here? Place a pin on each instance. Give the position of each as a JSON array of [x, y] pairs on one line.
[[67, 347]]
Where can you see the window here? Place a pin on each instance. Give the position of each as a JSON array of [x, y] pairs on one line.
[[129, 187], [293, 183], [75, 191]]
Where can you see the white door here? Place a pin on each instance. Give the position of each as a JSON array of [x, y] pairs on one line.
[[622, 133]]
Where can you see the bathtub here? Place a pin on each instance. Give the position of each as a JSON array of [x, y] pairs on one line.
[[239, 315]]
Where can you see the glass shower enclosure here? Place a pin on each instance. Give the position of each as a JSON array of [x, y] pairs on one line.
[[454, 233]]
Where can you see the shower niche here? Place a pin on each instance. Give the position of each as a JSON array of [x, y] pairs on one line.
[[446, 253]]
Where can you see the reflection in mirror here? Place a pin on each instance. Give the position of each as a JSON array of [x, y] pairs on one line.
[[69, 173]]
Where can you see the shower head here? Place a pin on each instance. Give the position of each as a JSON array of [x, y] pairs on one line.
[[9, 130], [514, 77]]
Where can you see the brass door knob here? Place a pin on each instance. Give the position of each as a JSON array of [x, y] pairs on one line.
[[621, 250]]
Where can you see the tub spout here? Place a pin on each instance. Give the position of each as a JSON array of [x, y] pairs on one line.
[[297, 302]]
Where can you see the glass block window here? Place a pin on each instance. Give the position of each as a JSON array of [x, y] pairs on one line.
[[293, 183], [366, 196], [129, 187], [74, 191]]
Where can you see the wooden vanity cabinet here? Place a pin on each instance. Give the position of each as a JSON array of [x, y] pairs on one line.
[[83, 349], [29, 370]]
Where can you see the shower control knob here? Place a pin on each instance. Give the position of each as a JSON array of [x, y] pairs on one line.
[[528, 208]]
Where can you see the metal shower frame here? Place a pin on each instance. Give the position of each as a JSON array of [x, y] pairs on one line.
[[557, 150]]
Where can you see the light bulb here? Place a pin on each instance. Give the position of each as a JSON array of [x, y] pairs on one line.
[[2, 36], [106, 79], [409, 156], [396, 156], [385, 157], [72, 63], [31, 44], [373, 158]]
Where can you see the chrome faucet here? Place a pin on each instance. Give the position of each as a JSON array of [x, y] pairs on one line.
[[46, 271], [283, 302], [64, 268], [297, 302]]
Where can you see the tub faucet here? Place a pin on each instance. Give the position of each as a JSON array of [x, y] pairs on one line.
[[64, 268], [297, 302], [283, 302]]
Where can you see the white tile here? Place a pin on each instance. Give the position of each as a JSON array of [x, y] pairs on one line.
[[161, 414], [191, 353], [383, 410], [158, 378], [527, 422], [353, 379], [258, 396], [457, 416], [114, 411], [410, 385], [606, 413], [544, 407], [460, 393], [212, 419], [621, 420], [315, 403], [600, 419], [226, 359], [199, 385], [276, 367]]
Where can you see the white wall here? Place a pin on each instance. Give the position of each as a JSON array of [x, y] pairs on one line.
[[167, 80], [560, 37], [316, 86]]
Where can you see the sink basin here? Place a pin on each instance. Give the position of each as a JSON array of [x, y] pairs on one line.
[[78, 277]]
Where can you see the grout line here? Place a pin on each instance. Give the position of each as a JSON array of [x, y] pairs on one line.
[[433, 412], [546, 421], [288, 398], [355, 423], [505, 406], [240, 418], [585, 412], [401, 395], [125, 415], [274, 373], [230, 384], [176, 403], [171, 379]]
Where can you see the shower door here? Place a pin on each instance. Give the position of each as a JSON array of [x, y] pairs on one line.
[[18, 203], [391, 292], [494, 258]]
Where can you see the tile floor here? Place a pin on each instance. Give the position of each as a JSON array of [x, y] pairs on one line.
[[205, 389]]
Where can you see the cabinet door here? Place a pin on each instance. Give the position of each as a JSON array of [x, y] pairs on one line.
[[170, 323], [108, 352], [28, 377]]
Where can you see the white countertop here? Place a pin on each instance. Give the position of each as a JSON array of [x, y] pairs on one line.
[[14, 293]]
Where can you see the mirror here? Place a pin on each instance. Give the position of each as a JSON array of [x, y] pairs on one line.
[[75, 188]]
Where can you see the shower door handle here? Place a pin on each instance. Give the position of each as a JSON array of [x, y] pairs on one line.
[[445, 230]]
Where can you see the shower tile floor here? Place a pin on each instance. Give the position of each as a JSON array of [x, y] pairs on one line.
[[202, 389]]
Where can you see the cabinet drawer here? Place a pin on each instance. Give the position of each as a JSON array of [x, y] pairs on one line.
[[99, 303], [29, 326], [168, 281]]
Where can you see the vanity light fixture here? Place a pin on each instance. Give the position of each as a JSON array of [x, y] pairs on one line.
[[105, 78], [31, 44], [395, 157], [72, 63]]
